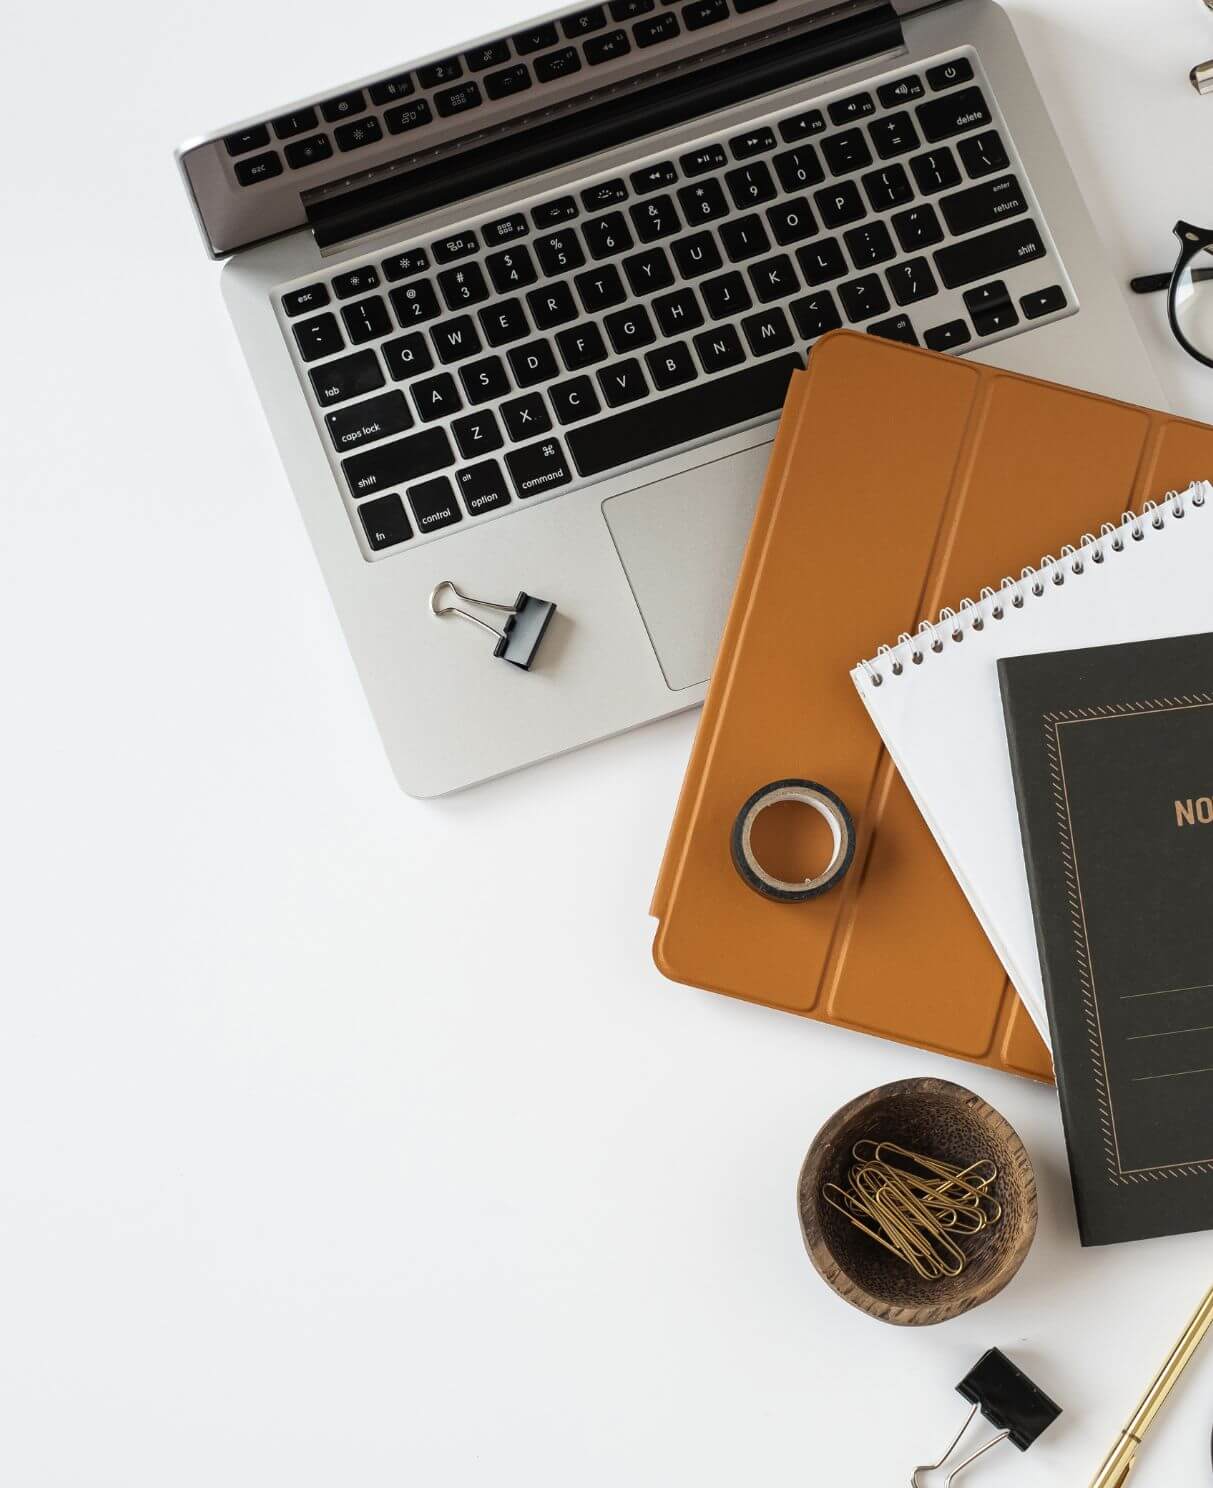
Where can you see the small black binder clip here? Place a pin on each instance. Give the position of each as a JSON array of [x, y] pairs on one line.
[[524, 627], [1008, 1399]]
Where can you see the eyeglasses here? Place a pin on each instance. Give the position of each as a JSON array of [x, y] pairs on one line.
[[1189, 291]]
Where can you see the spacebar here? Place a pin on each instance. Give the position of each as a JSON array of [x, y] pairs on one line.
[[663, 423]]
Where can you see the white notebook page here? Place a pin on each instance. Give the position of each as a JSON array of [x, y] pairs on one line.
[[941, 716]]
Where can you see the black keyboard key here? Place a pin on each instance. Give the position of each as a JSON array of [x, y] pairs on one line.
[[552, 305], [904, 90], [919, 227], [608, 235], [310, 297], [455, 340], [935, 171], [435, 74], [815, 314], [719, 349], [869, 244], [706, 158], [366, 320], [384, 522], [346, 106], [534, 39], [840, 204], [622, 383], [508, 82], [648, 272], [408, 356], [436, 397], [696, 255], [678, 313], [607, 48], [888, 188], [703, 202], [654, 177], [559, 252], [862, 298], [1043, 302], [257, 168], [463, 286], [458, 100], [414, 303], [681, 418], [358, 133], [991, 308], [660, 28], [491, 54], [477, 434], [391, 90], [355, 282], [575, 400], [533, 363], [799, 168], [484, 380], [630, 329], [655, 218], [526, 417], [483, 487], [953, 113], [701, 13], [744, 238], [505, 230], [846, 152], [559, 64], [792, 221], [319, 337], [584, 22], [774, 279], [504, 322], [983, 154], [256, 137], [847, 110], [911, 281], [822, 261], [581, 346], [896, 328], [348, 378], [310, 151], [434, 505], [628, 10], [604, 194], [601, 289], [751, 185], [394, 464], [364, 423], [512, 268], [406, 116], [458, 245], [944, 337], [991, 253], [982, 205], [297, 122], [768, 332], [726, 296], [753, 142], [553, 213], [538, 468], [894, 135], [405, 265], [949, 74], [801, 126], [671, 366]]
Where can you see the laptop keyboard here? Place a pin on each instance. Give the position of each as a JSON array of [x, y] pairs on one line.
[[521, 356]]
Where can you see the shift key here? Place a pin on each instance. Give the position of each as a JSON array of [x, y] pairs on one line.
[[992, 253], [403, 460]]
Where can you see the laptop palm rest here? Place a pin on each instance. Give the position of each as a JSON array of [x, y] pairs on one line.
[[680, 541]]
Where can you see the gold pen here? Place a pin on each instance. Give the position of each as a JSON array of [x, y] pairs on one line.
[[1120, 1459]]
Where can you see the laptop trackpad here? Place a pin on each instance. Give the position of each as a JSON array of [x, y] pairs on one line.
[[680, 541]]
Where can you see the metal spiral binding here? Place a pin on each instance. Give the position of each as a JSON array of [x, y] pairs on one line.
[[1032, 583]]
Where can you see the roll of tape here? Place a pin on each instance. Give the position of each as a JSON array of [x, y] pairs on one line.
[[808, 793]]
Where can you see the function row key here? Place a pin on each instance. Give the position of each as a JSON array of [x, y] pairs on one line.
[[438, 74], [345, 106], [492, 54], [358, 133], [255, 168], [549, 214], [903, 90], [308, 151], [949, 74], [355, 282], [847, 110], [654, 31], [554, 65], [600, 49], [391, 90]]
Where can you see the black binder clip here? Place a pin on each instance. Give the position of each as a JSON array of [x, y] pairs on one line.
[[1011, 1403], [526, 623]]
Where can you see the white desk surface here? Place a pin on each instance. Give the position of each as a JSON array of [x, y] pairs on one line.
[[352, 1140]]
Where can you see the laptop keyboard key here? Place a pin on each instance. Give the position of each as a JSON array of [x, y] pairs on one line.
[[505, 322], [753, 142], [346, 106], [953, 113], [911, 281], [434, 505], [581, 346], [385, 523], [310, 297], [511, 269], [454, 340], [533, 363], [607, 48], [726, 296], [704, 160], [869, 244], [751, 185], [505, 230], [310, 151], [318, 337], [435, 74], [405, 265], [888, 188], [935, 171], [408, 356], [678, 313], [253, 138], [436, 397], [463, 286], [774, 279], [847, 110], [526, 417], [538, 468], [894, 136], [604, 194], [358, 134], [348, 378], [366, 320], [945, 337], [701, 13], [896, 328], [655, 218], [919, 227], [671, 366], [553, 65], [622, 383], [983, 154], [534, 39], [485, 380], [846, 152], [355, 282], [661, 28], [406, 116], [815, 314], [822, 261], [1043, 302], [364, 423], [948, 74], [601, 289], [696, 255], [719, 349], [983, 205], [991, 253], [509, 81], [559, 252], [840, 204], [863, 298], [477, 434], [744, 238], [483, 487], [630, 329], [703, 202], [608, 235], [792, 222], [768, 332], [414, 303], [654, 177], [649, 272], [552, 306], [799, 168], [575, 400], [399, 462]]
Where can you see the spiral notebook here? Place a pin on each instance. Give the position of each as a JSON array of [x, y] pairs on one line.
[[934, 695]]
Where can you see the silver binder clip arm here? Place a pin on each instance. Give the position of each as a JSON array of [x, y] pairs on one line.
[[928, 1467], [526, 623]]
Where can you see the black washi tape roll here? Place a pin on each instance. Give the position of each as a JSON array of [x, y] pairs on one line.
[[808, 793]]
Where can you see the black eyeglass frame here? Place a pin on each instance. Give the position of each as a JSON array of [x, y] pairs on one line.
[[1192, 240]]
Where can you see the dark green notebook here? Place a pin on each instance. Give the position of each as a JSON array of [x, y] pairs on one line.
[[1112, 754]]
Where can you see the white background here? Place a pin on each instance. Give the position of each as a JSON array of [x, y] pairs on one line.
[[346, 1139]]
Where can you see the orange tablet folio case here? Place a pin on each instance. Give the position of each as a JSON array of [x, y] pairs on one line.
[[898, 481]]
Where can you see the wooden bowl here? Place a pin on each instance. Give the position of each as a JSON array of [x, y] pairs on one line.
[[941, 1120]]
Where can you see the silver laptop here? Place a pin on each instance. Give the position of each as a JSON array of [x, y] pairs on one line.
[[522, 318]]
